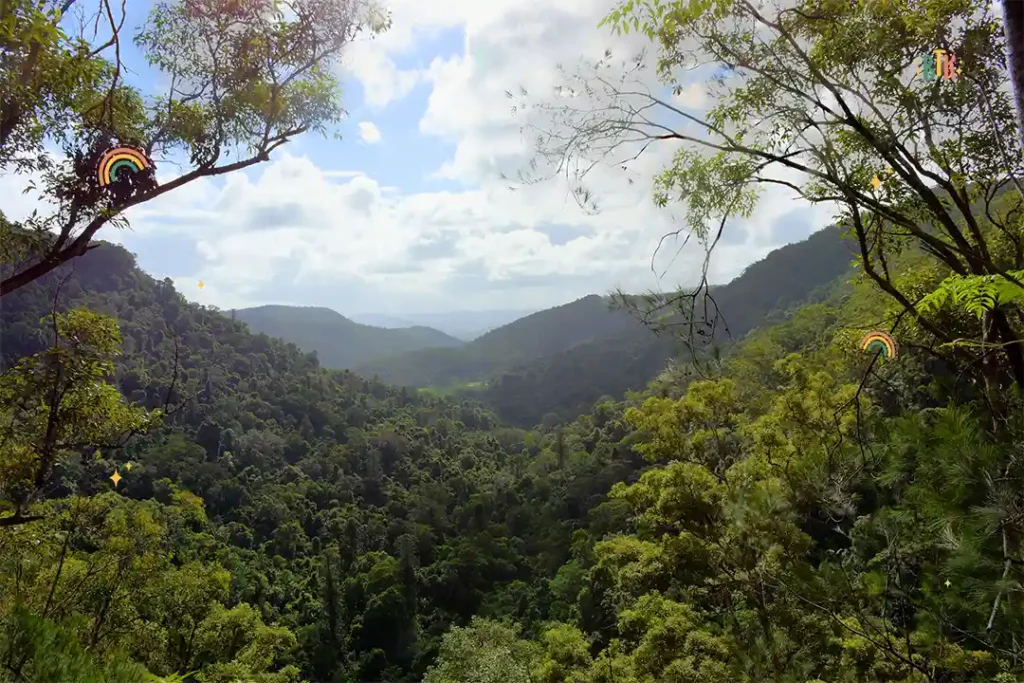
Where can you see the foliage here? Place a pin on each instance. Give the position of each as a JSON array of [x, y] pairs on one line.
[[975, 294], [45, 74], [796, 512], [243, 77], [363, 519], [483, 652], [56, 403], [107, 584], [787, 517], [906, 163], [801, 524]]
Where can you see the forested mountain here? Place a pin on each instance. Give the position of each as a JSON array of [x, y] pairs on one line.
[[562, 360], [538, 335], [358, 521], [185, 501], [339, 342], [569, 383], [286, 523], [465, 325]]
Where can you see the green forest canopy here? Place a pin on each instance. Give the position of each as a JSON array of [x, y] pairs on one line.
[[793, 511]]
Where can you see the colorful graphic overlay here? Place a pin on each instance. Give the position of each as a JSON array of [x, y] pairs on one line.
[[119, 160], [939, 65], [876, 341]]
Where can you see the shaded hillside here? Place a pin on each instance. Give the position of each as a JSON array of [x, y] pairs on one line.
[[569, 383], [338, 341], [785, 277], [541, 334]]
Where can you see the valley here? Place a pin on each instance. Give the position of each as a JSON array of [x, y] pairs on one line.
[[372, 528], [560, 361], [464, 325], [326, 354]]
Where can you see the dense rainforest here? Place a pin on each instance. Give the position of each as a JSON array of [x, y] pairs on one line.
[[786, 516], [184, 500], [337, 526]]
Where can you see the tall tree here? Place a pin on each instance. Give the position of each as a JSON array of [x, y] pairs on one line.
[[57, 403], [1013, 25]]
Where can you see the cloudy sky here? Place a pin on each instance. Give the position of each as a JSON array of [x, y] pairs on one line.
[[408, 212]]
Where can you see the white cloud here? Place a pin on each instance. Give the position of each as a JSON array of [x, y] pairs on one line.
[[381, 79], [693, 96], [369, 132], [17, 204], [289, 231], [293, 229]]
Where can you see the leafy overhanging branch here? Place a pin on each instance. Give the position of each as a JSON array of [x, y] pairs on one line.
[[790, 103], [247, 76]]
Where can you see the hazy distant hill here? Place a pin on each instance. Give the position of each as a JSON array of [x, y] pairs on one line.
[[538, 335], [571, 382], [564, 359], [388, 322], [467, 325], [338, 341]]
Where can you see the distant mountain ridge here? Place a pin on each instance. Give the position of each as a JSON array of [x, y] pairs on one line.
[[569, 383], [563, 359], [339, 342], [466, 325], [535, 336]]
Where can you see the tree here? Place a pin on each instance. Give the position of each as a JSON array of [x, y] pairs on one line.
[[483, 652], [44, 75], [246, 75], [102, 593], [908, 161], [57, 403], [1013, 26]]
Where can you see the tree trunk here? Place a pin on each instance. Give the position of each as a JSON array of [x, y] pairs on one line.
[[1013, 25]]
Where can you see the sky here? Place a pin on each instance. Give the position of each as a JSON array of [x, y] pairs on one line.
[[408, 211]]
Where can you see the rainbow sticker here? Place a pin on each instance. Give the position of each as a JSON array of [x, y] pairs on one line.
[[876, 341], [117, 160]]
